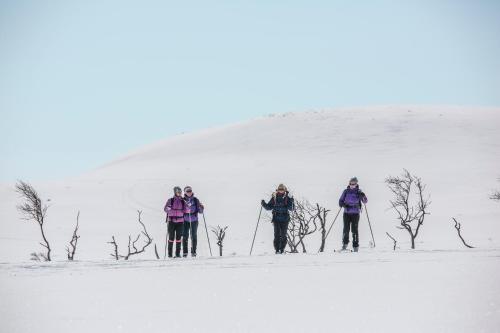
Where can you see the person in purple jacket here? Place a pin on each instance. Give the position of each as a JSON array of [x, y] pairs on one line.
[[175, 209], [351, 199], [193, 207]]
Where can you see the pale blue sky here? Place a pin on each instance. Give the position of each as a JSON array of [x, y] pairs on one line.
[[83, 82]]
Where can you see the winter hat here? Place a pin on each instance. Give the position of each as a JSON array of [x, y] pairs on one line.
[[353, 180], [187, 188], [177, 189], [282, 187]]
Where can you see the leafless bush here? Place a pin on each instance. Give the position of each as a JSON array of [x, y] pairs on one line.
[[495, 195], [411, 211], [33, 209], [458, 227], [74, 240], [132, 247], [220, 233], [393, 239], [38, 256], [115, 248], [303, 222], [322, 214]]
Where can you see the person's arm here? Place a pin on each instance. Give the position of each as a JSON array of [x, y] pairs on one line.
[[290, 204], [269, 205], [342, 198], [200, 207], [168, 206], [363, 197]]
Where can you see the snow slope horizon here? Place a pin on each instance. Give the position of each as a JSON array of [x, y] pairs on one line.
[[454, 149]]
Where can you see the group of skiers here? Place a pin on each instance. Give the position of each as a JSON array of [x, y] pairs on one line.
[[182, 217], [281, 203]]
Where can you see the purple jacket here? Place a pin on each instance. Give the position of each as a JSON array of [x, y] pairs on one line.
[[175, 209], [193, 207], [351, 200]]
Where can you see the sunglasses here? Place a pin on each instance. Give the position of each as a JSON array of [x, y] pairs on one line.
[[353, 184], [189, 191]]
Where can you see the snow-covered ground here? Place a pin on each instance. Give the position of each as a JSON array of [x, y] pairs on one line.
[[440, 287], [372, 291]]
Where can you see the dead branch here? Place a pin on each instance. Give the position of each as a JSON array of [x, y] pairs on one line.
[[322, 213], [74, 239], [458, 226], [303, 222], [220, 233], [147, 241], [38, 256], [33, 209], [115, 246], [156, 252], [394, 240], [132, 247], [410, 211]]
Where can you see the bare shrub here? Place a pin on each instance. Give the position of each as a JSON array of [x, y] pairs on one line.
[[33, 210], [409, 202], [220, 234], [71, 249], [458, 228]]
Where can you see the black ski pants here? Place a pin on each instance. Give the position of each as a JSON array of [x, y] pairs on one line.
[[175, 231], [280, 230], [351, 222], [190, 227]]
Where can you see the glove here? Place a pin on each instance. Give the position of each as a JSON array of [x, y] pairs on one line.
[[263, 202], [362, 194], [202, 207]]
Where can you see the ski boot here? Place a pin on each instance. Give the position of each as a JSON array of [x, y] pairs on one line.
[[355, 249]]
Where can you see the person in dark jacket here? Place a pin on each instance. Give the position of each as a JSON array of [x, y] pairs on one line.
[[351, 199], [193, 207], [281, 204], [175, 209]]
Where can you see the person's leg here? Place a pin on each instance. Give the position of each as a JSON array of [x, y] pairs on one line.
[[178, 238], [276, 240], [355, 234], [283, 232], [194, 237], [171, 235], [345, 233], [185, 238]]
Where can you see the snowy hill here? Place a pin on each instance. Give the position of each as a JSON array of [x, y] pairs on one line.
[[455, 150]]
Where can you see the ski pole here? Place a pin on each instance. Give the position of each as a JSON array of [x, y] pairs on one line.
[[255, 234], [166, 241], [335, 219], [366, 210], [206, 229], [191, 230]]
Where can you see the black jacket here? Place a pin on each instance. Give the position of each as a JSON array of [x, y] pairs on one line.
[[281, 205]]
